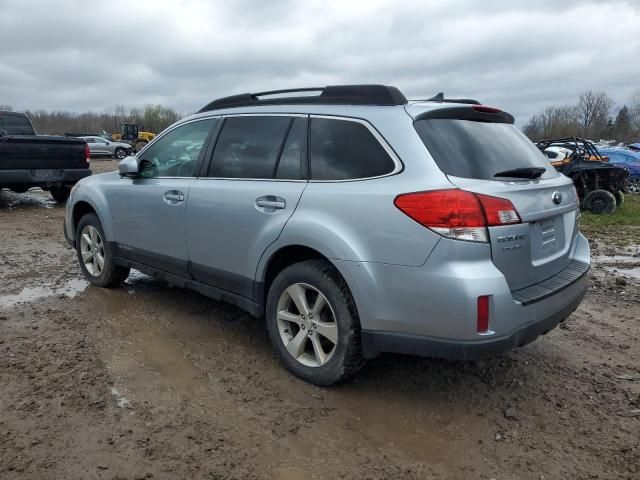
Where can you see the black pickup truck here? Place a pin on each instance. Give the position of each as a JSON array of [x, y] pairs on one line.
[[28, 160]]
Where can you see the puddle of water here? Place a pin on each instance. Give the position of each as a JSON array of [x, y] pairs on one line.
[[624, 271], [121, 400], [31, 198], [31, 294], [615, 259]]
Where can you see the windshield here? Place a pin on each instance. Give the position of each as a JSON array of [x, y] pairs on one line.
[[480, 150]]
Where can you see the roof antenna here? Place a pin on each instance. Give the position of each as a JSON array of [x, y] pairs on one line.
[[438, 98]]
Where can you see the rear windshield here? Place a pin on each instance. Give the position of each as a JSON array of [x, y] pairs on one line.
[[15, 125], [473, 149]]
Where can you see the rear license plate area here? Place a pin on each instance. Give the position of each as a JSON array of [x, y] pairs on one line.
[[46, 173], [548, 235], [547, 238]]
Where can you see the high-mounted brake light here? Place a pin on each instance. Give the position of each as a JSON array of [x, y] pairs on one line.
[[458, 214], [486, 109]]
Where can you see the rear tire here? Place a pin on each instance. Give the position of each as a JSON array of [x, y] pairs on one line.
[[60, 194], [95, 256], [320, 341], [600, 202]]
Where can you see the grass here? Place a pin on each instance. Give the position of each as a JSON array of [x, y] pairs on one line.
[[620, 228]]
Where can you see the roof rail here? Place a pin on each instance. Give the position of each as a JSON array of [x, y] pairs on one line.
[[379, 95], [440, 98]]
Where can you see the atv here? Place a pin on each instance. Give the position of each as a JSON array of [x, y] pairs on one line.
[[599, 184]]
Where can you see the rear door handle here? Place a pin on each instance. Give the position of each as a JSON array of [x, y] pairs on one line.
[[271, 201], [173, 196]]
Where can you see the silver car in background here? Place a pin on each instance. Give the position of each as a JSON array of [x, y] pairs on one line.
[[354, 221], [100, 146]]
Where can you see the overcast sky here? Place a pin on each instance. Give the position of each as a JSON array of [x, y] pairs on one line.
[[519, 55]]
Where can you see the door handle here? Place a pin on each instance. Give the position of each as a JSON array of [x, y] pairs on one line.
[[173, 196], [271, 201]]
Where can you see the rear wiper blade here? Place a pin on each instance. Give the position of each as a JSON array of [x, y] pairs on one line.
[[525, 172]]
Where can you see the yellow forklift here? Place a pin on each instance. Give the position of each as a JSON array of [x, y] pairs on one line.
[[131, 134]]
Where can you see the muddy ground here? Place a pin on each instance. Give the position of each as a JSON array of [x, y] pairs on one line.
[[152, 381]]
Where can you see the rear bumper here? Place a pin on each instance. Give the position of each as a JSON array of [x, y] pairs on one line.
[[432, 310], [374, 342], [60, 177]]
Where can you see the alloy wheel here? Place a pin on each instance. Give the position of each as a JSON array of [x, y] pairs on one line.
[[92, 250], [307, 325]]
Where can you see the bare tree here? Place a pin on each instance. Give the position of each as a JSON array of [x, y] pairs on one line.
[[153, 118], [634, 114], [593, 112], [553, 122]]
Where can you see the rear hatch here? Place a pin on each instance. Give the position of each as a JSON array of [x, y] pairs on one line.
[[480, 151], [31, 152]]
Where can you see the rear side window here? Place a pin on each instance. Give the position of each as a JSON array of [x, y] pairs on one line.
[[250, 147], [16, 125], [344, 150], [474, 149]]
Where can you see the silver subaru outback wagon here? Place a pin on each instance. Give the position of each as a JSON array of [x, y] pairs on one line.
[[353, 220]]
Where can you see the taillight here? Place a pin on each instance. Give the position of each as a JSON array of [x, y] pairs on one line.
[[87, 153], [498, 211], [458, 214], [485, 109]]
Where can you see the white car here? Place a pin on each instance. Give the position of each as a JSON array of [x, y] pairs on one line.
[[99, 146]]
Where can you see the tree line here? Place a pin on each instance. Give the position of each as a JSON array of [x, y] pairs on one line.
[[151, 118], [593, 117]]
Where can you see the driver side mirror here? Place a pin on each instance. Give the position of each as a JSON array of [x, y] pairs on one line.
[[129, 167]]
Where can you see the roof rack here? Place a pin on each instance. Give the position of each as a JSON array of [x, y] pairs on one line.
[[379, 95], [440, 98]]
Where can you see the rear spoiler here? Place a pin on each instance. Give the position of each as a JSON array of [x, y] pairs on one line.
[[478, 113]]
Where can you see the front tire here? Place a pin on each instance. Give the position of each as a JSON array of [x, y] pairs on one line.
[[600, 202], [60, 194], [313, 323], [120, 153], [94, 254]]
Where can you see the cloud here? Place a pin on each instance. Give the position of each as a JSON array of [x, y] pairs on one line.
[[520, 55]]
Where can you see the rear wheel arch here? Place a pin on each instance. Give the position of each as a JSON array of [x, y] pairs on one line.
[[286, 256], [281, 259]]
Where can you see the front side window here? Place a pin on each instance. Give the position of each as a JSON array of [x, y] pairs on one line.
[[251, 147], [176, 153], [344, 150]]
